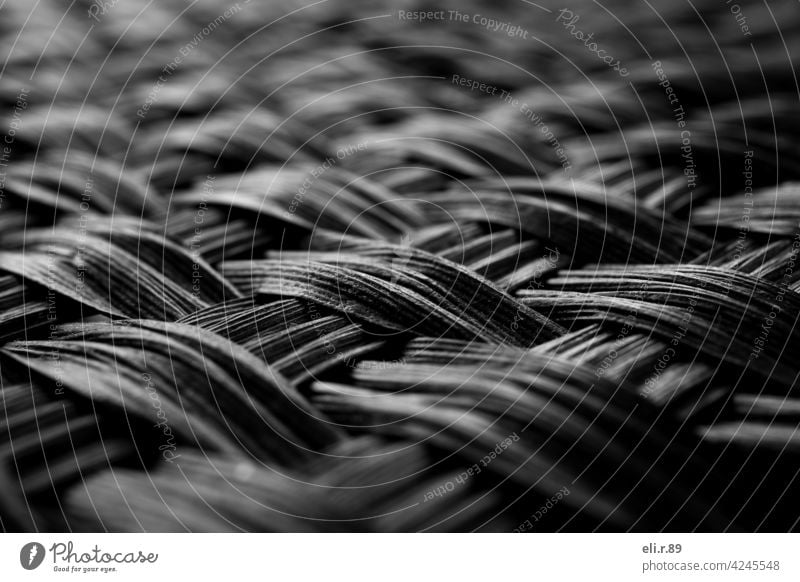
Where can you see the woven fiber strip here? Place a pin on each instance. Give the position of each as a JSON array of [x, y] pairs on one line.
[[359, 265]]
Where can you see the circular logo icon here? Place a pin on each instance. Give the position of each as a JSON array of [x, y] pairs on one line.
[[31, 555]]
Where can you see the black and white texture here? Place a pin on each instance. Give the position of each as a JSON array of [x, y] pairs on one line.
[[357, 265]]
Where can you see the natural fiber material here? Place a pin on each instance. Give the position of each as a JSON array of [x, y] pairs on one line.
[[372, 266]]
